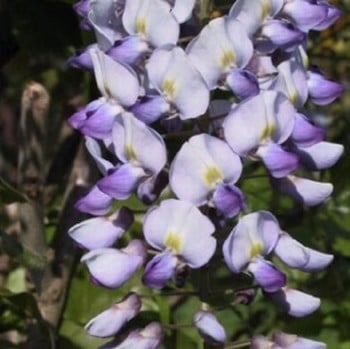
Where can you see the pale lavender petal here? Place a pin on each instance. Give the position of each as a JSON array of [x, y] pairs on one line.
[[269, 115], [322, 90], [256, 234], [304, 190], [95, 202], [107, 25], [101, 232], [278, 161], [202, 163], [110, 321], [111, 268], [121, 182], [152, 20], [222, 44], [136, 143], [305, 133], [124, 89], [305, 14], [267, 275], [304, 343], [179, 81], [159, 270], [209, 327], [292, 81], [261, 342], [228, 200], [294, 302], [128, 50], [82, 7], [243, 83], [320, 156], [150, 108], [95, 151], [295, 255], [180, 227], [182, 10]]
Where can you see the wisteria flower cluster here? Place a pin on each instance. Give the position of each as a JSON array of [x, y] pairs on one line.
[[162, 74]]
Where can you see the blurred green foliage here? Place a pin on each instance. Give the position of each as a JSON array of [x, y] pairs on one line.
[[37, 38]]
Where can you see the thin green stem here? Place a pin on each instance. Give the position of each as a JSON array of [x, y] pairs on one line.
[[238, 345]]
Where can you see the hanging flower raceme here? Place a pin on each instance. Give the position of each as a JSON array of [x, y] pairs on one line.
[[182, 234], [153, 83], [204, 171]]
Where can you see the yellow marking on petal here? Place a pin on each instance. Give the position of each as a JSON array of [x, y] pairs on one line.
[[268, 132], [256, 250], [108, 91], [226, 59], [169, 88], [293, 98], [130, 153], [141, 26], [266, 9], [173, 242], [212, 176]]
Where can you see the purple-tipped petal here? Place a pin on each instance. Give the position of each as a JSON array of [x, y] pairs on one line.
[[278, 161], [256, 234], [267, 275], [82, 59], [333, 14], [111, 268], [298, 256], [323, 91], [228, 200], [101, 232], [128, 50], [294, 302], [109, 322], [282, 34], [78, 119], [99, 124], [95, 202], [121, 182], [159, 270], [243, 83], [150, 108], [82, 7], [309, 192], [305, 14], [305, 134], [320, 156], [209, 327]]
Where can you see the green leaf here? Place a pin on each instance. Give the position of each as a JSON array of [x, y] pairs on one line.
[[9, 194]]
